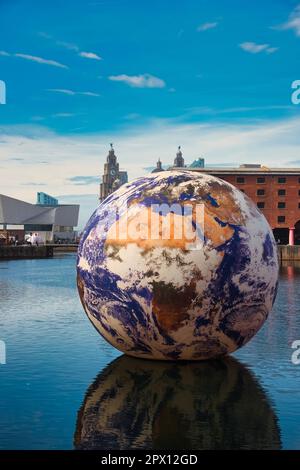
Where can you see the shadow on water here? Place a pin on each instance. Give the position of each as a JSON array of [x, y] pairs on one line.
[[137, 404]]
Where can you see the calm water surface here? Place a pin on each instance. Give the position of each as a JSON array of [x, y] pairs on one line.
[[63, 386]]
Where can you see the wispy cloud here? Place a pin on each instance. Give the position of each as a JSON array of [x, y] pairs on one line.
[[40, 60], [62, 90], [33, 183], [63, 115], [255, 48], [88, 93], [44, 35], [293, 22], [132, 116], [139, 81], [204, 110], [66, 91], [67, 45], [37, 118], [207, 26], [83, 180], [90, 55], [71, 47], [33, 58]]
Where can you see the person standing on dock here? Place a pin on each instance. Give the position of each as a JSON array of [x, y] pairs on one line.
[[28, 239], [35, 239]]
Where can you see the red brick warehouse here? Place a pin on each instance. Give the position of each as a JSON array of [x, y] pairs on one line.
[[275, 191]]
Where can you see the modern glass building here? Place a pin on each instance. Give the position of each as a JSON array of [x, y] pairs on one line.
[[44, 199]]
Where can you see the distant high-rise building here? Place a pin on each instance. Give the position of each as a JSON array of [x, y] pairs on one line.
[[158, 167], [43, 199], [179, 160], [112, 178], [199, 163], [123, 177]]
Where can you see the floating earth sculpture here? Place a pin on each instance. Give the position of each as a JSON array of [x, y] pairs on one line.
[[177, 265]]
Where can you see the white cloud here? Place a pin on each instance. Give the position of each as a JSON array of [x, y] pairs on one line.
[[71, 47], [65, 91], [90, 55], [293, 22], [88, 93], [270, 143], [207, 26], [139, 81], [255, 48], [62, 90], [40, 60], [34, 58]]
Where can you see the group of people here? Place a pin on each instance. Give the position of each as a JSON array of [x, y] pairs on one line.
[[33, 239]]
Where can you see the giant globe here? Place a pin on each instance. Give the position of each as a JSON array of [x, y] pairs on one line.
[[177, 265]]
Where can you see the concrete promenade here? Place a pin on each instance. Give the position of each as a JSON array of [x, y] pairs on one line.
[[285, 252]]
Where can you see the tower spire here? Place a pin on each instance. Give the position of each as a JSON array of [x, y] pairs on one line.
[[158, 167], [179, 160]]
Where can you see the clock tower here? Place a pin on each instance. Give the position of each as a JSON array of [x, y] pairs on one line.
[[112, 177]]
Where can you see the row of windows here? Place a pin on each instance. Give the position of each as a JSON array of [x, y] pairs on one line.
[[262, 179], [280, 218], [262, 192], [280, 205], [280, 192]]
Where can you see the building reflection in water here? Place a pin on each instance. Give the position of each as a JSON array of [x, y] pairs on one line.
[[139, 404], [290, 271]]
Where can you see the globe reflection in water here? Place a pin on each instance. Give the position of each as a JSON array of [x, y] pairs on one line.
[[135, 404]]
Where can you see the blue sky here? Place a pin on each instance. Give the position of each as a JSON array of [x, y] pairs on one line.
[[214, 76]]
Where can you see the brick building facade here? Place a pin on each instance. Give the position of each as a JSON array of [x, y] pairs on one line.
[[275, 191]]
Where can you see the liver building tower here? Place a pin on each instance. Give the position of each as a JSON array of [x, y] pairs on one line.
[[112, 178]]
